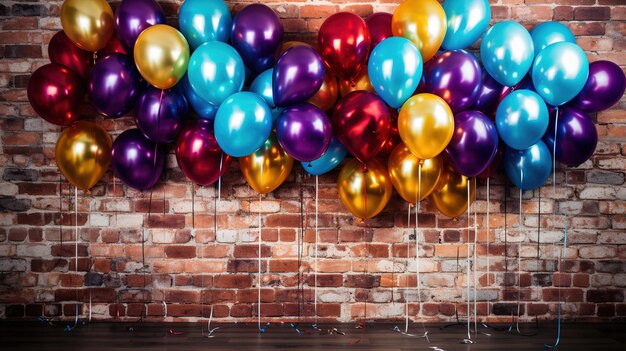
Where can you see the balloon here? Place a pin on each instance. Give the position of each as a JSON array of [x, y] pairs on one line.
[[360, 82], [83, 153], [133, 16], [216, 72], [379, 25], [288, 45], [364, 193], [114, 46], [63, 51], [404, 174], [161, 114], [298, 75], [423, 22], [202, 21], [395, 70], [115, 86], [242, 124], [304, 132], [507, 52], [257, 34], [56, 93], [344, 42], [136, 160], [522, 119], [603, 89], [328, 161], [262, 85], [526, 83], [162, 55], [530, 168], [560, 72], [394, 136], [426, 125], [467, 20], [88, 23], [267, 168], [494, 167], [576, 136], [450, 195], [198, 154], [490, 94], [326, 96], [474, 143], [362, 124], [455, 76], [548, 33], [204, 109]]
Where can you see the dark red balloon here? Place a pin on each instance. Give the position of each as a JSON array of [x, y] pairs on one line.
[[394, 136], [114, 46], [56, 94], [379, 25], [63, 51]]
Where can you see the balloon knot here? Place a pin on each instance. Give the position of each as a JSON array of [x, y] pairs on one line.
[[364, 168], [352, 83], [310, 165]]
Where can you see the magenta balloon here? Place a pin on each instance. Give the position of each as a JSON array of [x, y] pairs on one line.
[[490, 94], [133, 16], [161, 114], [379, 25], [604, 88], [304, 132], [474, 143], [298, 75], [137, 161], [576, 136], [114, 86]]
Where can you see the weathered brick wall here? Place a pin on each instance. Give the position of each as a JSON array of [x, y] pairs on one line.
[[363, 266]]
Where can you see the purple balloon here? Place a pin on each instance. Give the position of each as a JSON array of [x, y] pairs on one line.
[[474, 144], [604, 88], [490, 94], [136, 160], [257, 34], [114, 86], [526, 84], [298, 75], [454, 76], [161, 117], [133, 16], [304, 132], [576, 136]]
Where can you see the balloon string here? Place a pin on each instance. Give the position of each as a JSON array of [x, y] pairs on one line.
[[488, 246], [193, 205], [469, 216], [365, 187], [417, 247], [70, 328], [408, 247], [556, 126], [164, 187], [475, 270], [156, 145], [506, 235], [316, 245], [219, 179], [259, 278], [300, 245]]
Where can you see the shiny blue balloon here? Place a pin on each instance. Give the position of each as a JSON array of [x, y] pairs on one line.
[[467, 20], [395, 69], [560, 72], [202, 21], [202, 108], [548, 33], [507, 52], [530, 168], [333, 156], [242, 124], [522, 119], [262, 85]]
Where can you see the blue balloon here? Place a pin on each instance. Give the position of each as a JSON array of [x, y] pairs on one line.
[[522, 119], [528, 169], [333, 156], [242, 124], [202, 108], [560, 72], [202, 21], [467, 20], [507, 52], [395, 69], [548, 33], [262, 85]]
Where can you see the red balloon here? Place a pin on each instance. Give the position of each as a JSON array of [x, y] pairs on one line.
[[56, 94], [198, 153], [344, 42], [114, 46], [379, 25], [63, 51], [362, 123], [394, 136]]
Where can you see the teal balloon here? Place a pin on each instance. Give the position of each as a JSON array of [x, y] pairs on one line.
[[522, 119], [560, 72], [216, 71], [262, 85], [507, 52], [202, 21], [548, 33], [530, 168], [242, 124], [333, 156], [467, 20], [395, 69], [202, 108]]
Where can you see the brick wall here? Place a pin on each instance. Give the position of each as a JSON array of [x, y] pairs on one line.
[[363, 266]]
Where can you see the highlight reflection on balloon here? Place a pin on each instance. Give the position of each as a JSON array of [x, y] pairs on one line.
[[88, 23]]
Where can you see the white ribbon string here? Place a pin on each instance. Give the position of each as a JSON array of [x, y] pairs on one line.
[[475, 272], [316, 244], [488, 247], [469, 216], [417, 248], [259, 281]]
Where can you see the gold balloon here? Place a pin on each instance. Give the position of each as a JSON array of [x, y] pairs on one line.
[[423, 22], [326, 97], [161, 55], [268, 167], [426, 125], [450, 196], [361, 82], [289, 44], [83, 153], [367, 193], [404, 174], [88, 23]]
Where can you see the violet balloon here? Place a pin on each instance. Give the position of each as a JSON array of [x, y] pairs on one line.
[[604, 88], [137, 161], [576, 136], [474, 143], [490, 94], [133, 16], [114, 86], [161, 114], [298, 75], [304, 132], [379, 25]]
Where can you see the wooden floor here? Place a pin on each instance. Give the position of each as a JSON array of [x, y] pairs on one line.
[[150, 336]]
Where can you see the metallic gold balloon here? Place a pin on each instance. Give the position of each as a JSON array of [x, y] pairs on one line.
[[450, 196], [161, 55], [83, 153], [326, 97], [361, 82], [404, 174], [88, 23], [289, 44], [268, 167], [423, 22], [367, 193], [426, 125]]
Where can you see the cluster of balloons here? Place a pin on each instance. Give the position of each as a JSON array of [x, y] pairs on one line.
[[396, 91]]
